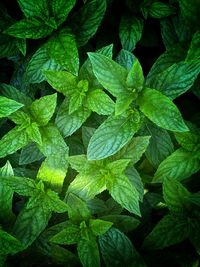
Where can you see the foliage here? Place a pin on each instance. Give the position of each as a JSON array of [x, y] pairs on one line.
[[99, 133]]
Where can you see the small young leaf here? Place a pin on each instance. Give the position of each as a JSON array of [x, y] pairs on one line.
[[8, 106], [55, 203], [179, 165], [42, 109], [135, 78], [68, 236], [111, 75], [34, 134], [161, 110], [99, 227]]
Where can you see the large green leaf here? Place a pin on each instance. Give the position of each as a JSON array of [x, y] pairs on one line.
[[62, 48], [61, 9], [86, 21], [179, 165], [189, 140], [13, 141], [8, 106], [29, 28], [169, 231], [112, 135], [117, 250], [111, 75], [176, 196], [29, 154], [38, 8], [130, 32], [161, 110], [42, 109]]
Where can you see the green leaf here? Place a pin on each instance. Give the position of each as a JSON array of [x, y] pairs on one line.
[[112, 135], [21, 185], [124, 193], [14, 140], [78, 96], [29, 28], [160, 10], [88, 253], [160, 145], [7, 46], [193, 52], [99, 102], [78, 162], [189, 11], [8, 106], [130, 32], [6, 195], [117, 250], [195, 198], [55, 203], [134, 149], [99, 227], [39, 62], [188, 140], [135, 78], [37, 9], [125, 59], [176, 196], [62, 81], [169, 231], [111, 75], [42, 109], [179, 165], [32, 220], [176, 79], [68, 236], [77, 208], [30, 154], [86, 21], [9, 244], [34, 133], [61, 9], [69, 123], [161, 110], [62, 48]]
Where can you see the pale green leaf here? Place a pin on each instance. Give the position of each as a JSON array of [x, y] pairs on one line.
[[68, 236], [99, 227], [8, 106], [161, 110], [34, 134]]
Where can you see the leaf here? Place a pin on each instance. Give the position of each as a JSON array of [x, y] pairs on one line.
[[179, 165], [134, 149], [29, 154], [78, 96], [9, 244], [34, 133], [160, 10], [21, 185], [111, 75], [188, 140], [62, 48], [117, 249], [62, 81], [135, 78], [99, 102], [68, 236], [160, 144], [189, 11], [14, 140], [99, 227], [112, 135], [124, 193], [6, 195], [88, 253], [176, 79], [130, 32], [55, 203], [69, 123], [8, 106], [169, 231], [161, 110], [176, 196], [37, 9], [193, 52], [42, 109], [31, 28], [61, 9], [86, 21], [39, 62], [32, 220], [125, 59]]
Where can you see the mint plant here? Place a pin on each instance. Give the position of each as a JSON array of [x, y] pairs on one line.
[[100, 131]]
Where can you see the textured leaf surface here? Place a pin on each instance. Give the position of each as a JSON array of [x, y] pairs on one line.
[[88, 253], [179, 165], [9, 244], [111, 136], [8, 106], [38, 8], [68, 236], [61, 9], [161, 110]]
